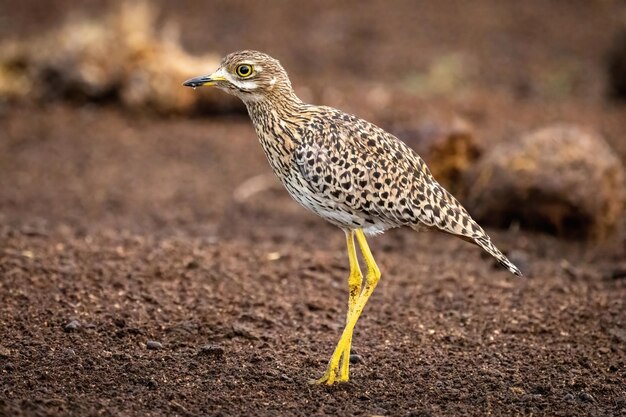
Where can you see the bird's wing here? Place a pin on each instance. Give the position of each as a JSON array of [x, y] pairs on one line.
[[357, 164], [342, 165], [363, 169]]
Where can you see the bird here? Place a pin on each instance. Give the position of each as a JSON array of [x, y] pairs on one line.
[[348, 171]]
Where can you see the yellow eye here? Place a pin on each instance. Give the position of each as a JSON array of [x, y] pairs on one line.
[[244, 70]]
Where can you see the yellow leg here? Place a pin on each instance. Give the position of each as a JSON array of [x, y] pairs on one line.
[[332, 374], [354, 286], [355, 281]]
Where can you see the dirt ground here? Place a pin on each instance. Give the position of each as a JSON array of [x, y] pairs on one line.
[[121, 229]]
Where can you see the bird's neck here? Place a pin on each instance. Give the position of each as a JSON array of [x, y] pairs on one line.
[[276, 105], [275, 119], [273, 111]]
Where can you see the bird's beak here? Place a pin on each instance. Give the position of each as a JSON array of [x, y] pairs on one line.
[[207, 80]]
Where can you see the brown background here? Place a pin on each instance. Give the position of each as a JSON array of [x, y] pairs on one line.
[[126, 223]]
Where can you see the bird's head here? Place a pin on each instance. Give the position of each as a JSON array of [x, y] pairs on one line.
[[249, 75]]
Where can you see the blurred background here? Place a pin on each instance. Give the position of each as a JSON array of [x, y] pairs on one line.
[[468, 85], [117, 181]]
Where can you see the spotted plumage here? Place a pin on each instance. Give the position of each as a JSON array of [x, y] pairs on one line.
[[346, 170]]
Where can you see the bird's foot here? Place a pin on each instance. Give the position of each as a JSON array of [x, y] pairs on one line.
[[330, 377], [335, 372]]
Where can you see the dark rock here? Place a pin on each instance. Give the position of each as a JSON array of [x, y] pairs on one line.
[[569, 397], [541, 390], [153, 345], [354, 358], [561, 180], [211, 350], [72, 326], [9, 367], [616, 273], [617, 66], [192, 265], [586, 397]]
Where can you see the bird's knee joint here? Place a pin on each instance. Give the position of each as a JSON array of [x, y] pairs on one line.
[[355, 279], [373, 274]]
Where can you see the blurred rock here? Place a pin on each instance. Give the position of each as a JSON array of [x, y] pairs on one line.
[[618, 334], [211, 350], [4, 352], [154, 345], [617, 66], [354, 359], [618, 272], [560, 179], [72, 326], [120, 57], [586, 397], [448, 146]]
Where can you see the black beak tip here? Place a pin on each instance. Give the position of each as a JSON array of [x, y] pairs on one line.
[[197, 81]]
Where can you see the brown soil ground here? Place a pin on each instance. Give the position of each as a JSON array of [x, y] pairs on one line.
[[127, 224]]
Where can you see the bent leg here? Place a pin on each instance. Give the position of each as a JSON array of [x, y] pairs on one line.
[[371, 279]]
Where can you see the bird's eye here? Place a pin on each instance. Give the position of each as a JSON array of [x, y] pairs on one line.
[[244, 70]]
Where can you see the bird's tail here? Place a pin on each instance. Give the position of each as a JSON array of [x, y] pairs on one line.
[[485, 243], [454, 219]]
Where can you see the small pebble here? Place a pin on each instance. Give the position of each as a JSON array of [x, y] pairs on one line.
[[4, 352], [211, 350], [354, 359], [588, 398], [192, 265], [72, 326], [568, 397], [153, 345], [618, 334], [244, 332], [122, 356], [69, 352], [9, 366], [286, 378]]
